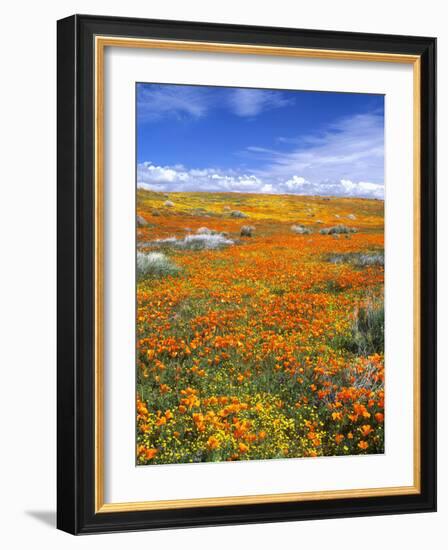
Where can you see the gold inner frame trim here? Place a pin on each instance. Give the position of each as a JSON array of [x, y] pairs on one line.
[[101, 42]]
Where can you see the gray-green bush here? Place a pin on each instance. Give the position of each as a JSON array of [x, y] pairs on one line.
[[155, 264], [201, 241], [358, 259], [367, 331], [301, 230], [337, 230], [238, 214], [247, 230]]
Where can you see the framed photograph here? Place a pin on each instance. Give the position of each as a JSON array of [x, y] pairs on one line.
[[246, 274]]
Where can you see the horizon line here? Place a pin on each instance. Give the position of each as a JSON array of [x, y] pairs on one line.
[[258, 194]]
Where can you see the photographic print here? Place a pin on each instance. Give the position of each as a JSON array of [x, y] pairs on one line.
[[223, 195], [260, 274]]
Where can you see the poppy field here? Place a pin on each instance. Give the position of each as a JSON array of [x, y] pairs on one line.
[[259, 327]]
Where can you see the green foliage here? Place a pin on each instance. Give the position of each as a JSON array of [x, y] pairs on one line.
[[367, 333]]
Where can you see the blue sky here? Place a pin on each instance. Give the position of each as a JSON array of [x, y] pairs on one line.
[[204, 138]]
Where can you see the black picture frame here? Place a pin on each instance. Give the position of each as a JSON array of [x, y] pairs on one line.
[[76, 273]]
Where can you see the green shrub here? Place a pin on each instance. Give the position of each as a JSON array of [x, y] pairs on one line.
[[367, 335]]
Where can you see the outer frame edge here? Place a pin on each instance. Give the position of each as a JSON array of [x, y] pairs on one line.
[[66, 275]]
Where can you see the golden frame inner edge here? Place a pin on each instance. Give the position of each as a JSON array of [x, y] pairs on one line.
[[101, 42]]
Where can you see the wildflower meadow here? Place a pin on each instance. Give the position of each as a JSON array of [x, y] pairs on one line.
[[260, 326]]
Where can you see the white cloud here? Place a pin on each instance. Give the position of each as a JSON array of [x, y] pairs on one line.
[[364, 187], [295, 183], [267, 188], [169, 178], [159, 101], [247, 102], [352, 149], [155, 101], [345, 160]]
